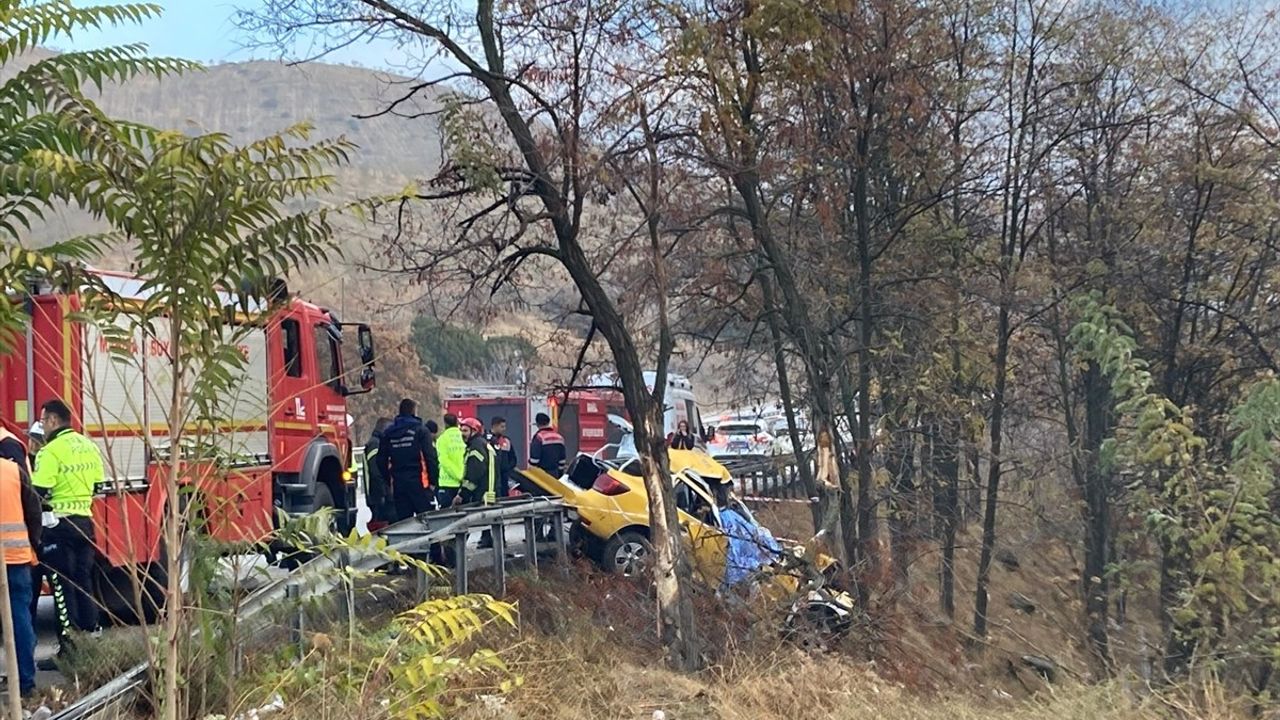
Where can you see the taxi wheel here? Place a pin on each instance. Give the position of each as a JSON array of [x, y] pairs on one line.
[[628, 554]]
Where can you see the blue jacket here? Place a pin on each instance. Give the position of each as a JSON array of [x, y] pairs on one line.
[[406, 451]]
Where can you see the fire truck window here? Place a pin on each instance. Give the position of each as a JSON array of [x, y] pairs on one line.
[[292, 348], [326, 356]]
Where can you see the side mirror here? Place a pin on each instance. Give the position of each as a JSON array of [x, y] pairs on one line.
[[364, 339], [364, 359]]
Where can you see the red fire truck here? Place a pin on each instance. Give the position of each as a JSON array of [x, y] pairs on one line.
[[582, 416], [284, 430]]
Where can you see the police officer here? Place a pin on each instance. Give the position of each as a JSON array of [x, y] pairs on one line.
[[68, 469], [19, 534], [546, 450], [407, 456], [452, 450]]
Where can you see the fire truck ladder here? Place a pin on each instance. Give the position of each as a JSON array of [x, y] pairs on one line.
[[319, 577]]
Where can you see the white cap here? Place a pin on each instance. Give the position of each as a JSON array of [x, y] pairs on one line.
[[36, 430]]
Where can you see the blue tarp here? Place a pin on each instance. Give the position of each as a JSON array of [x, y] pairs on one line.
[[751, 547]]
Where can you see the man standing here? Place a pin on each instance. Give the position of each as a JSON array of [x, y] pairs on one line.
[[546, 450], [506, 460], [68, 469], [452, 449], [406, 455], [19, 535], [480, 482], [11, 447], [377, 491]]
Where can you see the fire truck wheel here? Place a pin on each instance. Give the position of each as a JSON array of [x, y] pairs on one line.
[[292, 559]]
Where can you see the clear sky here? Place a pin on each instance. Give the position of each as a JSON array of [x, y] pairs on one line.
[[204, 30]]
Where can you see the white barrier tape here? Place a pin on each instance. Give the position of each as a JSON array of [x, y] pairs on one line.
[[760, 498]]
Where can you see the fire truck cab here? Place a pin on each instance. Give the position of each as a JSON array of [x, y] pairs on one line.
[[281, 433]]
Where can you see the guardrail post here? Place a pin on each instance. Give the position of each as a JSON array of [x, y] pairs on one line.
[[531, 543], [562, 542], [460, 563], [293, 595], [421, 583], [497, 532]]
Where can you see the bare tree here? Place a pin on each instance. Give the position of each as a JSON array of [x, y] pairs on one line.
[[556, 105]]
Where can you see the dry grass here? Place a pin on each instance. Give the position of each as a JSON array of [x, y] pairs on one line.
[[587, 651]]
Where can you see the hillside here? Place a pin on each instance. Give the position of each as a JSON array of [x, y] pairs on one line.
[[251, 99]]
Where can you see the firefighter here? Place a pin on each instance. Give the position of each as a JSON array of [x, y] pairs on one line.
[[452, 449], [377, 490], [507, 461], [67, 470], [546, 450], [407, 457], [19, 534], [480, 481], [508, 458]]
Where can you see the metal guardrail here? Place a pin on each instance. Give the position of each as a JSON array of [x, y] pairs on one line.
[[414, 537]]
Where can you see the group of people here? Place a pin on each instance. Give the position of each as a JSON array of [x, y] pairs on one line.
[[413, 466], [47, 485], [46, 530]]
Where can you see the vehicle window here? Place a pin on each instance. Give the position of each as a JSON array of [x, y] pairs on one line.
[[739, 429], [684, 498], [632, 467], [326, 355], [291, 336]]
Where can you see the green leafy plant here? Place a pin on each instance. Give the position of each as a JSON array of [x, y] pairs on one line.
[[1210, 514], [43, 108], [204, 216], [415, 667]]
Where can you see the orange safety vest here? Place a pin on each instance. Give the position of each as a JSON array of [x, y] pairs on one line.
[[13, 526]]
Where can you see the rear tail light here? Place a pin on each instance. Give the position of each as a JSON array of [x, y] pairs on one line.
[[607, 484]]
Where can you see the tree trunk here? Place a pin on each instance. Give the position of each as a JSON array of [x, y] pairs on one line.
[[676, 625], [1179, 643], [993, 473], [866, 335], [946, 454], [857, 512], [173, 534], [900, 464], [1095, 584], [784, 389]]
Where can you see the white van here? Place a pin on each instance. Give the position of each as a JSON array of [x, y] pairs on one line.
[[680, 399]]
